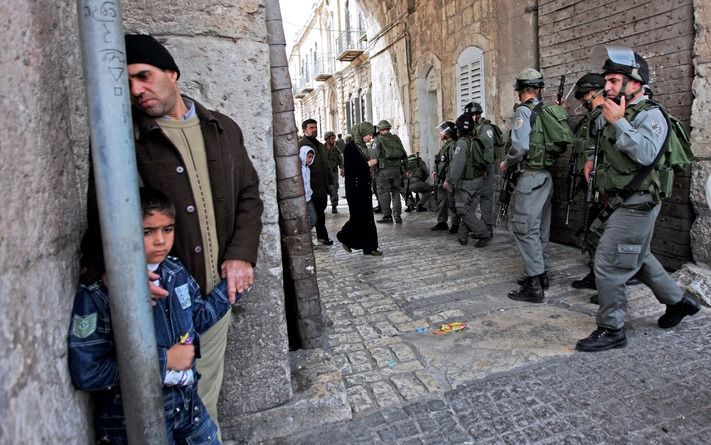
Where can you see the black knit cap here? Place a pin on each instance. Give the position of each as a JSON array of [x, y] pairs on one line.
[[144, 48]]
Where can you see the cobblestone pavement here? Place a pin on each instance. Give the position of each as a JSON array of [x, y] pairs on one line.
[[512, 375]]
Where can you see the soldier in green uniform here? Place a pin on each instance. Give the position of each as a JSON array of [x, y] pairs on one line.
[[466, 175], [391, 155], [415, 181], [634, 132], [334, 160], [448, 135]]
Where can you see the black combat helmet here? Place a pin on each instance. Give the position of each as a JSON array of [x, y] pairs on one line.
[[465, 123], [473, 108], [589, 82], [447, 127], [620, 60], [529, 78]]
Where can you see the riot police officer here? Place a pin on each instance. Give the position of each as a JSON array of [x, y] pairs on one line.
[[467, 171], [448, 135], [534, 189], [485, 131], [634, 133]]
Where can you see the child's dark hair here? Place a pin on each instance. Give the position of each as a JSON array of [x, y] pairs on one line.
[[154, 201]]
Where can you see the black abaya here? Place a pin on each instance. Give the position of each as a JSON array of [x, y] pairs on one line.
[[360, 231]]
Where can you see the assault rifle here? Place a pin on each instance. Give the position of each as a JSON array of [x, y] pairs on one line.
[[571, 184], [508, 184], [590, 195], [561, 89]]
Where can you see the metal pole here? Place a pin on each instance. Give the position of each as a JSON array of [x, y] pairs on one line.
[[114, 162]]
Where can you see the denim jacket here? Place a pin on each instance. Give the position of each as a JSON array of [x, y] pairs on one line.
[[92, 356]]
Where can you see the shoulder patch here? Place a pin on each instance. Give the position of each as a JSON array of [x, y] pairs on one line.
[[518, 123], [657, 129], [82, 327], [490, 133], [183, 296], [456, 149]]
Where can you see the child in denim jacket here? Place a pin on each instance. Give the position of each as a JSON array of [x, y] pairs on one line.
[[179, 320]]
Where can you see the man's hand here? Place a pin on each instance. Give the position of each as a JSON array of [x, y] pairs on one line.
[[587, 169], [239, 275], [155, 290], [445, 185], [372, 162], [503, 167], [180, 357], [613, 112]]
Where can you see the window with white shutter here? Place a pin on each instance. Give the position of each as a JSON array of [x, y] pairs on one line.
[[470, 78]]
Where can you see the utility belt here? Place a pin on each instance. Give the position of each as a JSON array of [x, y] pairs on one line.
[[474, 174], [613, 201], [530, 172]]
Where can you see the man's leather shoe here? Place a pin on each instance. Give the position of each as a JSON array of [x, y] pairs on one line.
[[530, 292], [595, 299], [398, 220], [484, 241], [587, 282], [334, 209], [676, 312], [386, 220], [326, 242], [374, 252], [421, 209], [440, 226], [602, 339], [454, 229], [409, 209], [545, 283]]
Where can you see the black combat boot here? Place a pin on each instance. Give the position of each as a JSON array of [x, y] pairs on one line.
[[398, 220], [587, 282], [595, 299], [675, 312], [544, 280], [602, 339], [409, 209], [386, 220], [440, 226], [485, 241], [531, 291], [421, 208], [454, 229]]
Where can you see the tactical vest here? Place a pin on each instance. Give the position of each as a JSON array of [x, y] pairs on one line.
[[497, 137], [550, 135], [389, 151], [585, 136], [617, 169], [443, 158], [478, 158]]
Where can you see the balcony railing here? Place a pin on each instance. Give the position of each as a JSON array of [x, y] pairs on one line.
[[324, 69], [349, 45], [301, 87]]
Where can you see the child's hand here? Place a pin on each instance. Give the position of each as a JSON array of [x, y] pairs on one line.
[[155, 290], [180, 357]]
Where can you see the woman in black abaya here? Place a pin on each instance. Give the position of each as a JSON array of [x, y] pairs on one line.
[[360, 231]]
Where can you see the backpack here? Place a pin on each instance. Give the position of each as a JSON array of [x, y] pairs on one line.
[[552, 122], [677, 152], [498, 137]]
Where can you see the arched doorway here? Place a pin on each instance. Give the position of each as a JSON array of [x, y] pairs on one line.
[[429, 113]]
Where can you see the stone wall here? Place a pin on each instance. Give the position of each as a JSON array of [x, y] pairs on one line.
[[43, 173], [701, 134], [663, 33], [223, 54]]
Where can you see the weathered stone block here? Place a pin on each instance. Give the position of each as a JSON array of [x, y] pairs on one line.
[[696, 280]]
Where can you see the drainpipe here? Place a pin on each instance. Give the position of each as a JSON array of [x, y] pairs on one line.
[[300, 284], [114, 162]]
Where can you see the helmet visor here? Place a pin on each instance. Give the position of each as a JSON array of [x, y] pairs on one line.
[[617, 55]]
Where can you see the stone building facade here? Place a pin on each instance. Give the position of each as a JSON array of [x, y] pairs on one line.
[[428, 58]]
